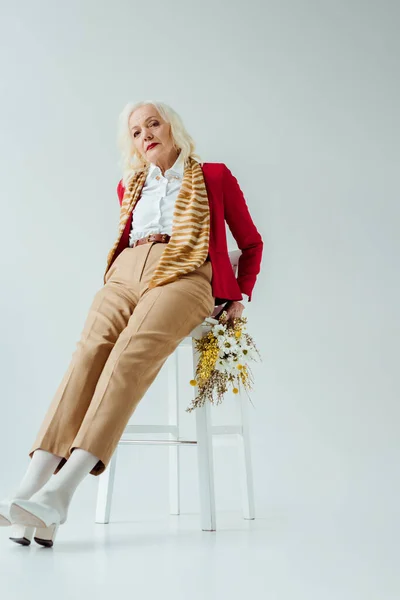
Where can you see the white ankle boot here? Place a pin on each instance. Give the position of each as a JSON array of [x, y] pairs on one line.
[[47, 509], [42, 518], [20, 534], [40, 469]]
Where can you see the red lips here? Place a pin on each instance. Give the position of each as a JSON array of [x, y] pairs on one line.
[[152, 145]]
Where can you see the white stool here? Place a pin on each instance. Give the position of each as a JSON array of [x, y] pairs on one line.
[[207, 436]]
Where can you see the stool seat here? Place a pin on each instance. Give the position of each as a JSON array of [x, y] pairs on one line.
[[208, 436]]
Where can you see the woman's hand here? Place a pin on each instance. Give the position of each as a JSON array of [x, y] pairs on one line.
[[234, 308]]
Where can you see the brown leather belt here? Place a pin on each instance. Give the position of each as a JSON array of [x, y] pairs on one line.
[[156, 237], [152, 237]]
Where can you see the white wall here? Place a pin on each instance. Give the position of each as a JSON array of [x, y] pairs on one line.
[[300, 100]]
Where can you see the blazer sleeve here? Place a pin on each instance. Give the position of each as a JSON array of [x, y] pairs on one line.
[[244, 231]]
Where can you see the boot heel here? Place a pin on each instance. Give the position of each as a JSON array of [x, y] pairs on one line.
[[45, 536], [22, 535]]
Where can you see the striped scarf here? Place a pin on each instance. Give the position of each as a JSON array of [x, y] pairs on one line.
[[187, 248]]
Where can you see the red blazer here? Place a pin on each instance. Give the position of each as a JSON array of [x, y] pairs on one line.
[[227, 203]]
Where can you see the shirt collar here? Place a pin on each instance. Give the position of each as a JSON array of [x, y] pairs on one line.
[[177, 168]]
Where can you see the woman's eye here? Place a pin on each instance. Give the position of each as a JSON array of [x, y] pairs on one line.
[[155, 123]]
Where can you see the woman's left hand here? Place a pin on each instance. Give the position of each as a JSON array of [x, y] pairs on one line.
[[234, 308]]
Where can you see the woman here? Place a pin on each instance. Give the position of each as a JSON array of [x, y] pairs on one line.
[[166, 272]]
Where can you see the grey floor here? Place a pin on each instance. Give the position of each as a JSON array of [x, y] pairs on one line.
[[287, 555]]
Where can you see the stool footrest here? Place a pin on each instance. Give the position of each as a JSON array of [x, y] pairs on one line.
[[171, 429], [160, 442]]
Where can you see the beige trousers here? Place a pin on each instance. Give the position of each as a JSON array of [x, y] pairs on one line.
[[129, 333]]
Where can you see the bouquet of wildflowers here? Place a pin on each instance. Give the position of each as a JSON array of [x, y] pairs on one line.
[[224, 355]]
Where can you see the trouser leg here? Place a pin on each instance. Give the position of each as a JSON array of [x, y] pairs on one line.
[[108, 316], [162, 318]]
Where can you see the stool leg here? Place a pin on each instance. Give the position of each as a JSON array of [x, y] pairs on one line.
[[105, 491], [173, 419], [245, 464], [205, 460]]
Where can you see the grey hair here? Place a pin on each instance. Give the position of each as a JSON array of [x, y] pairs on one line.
[[131, 161]]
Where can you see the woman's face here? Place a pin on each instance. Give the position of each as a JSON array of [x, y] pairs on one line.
[[148, 127]]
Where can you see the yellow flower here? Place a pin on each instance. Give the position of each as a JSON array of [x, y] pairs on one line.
[[235, 390], [238, 334], [239, 366], [193, 382]]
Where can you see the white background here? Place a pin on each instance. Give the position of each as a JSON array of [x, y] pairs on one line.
[[300, 100]]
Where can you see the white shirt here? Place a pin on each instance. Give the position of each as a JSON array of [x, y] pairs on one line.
[[153, 212]]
